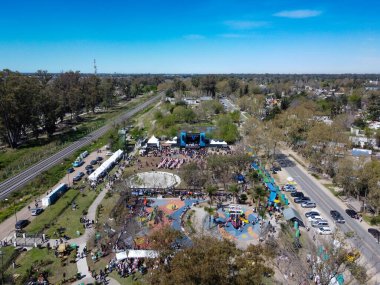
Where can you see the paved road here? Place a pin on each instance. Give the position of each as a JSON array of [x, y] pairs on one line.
[[365, 243], [19, 180]]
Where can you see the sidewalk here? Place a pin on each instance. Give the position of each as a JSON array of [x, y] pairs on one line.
[[82, 241]]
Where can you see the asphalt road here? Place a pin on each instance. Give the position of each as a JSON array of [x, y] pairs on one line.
[[12, 184], [363, 241]]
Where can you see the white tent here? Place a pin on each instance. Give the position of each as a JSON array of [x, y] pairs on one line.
[[105, 166], [218, 143], [153, 141], [136, 254]]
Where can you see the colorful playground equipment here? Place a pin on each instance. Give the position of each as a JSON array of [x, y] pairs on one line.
[[234, 209]]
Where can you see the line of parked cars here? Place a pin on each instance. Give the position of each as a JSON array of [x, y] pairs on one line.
[[313, 216], [89, 169], [299, 197], [317, 221]]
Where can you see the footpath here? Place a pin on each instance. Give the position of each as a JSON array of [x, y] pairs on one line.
[[82, 241]]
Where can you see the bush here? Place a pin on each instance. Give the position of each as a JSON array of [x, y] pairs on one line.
[[243, 198]]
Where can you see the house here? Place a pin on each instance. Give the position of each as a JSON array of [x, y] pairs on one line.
[[374, 125], [363, 141], [191, 101]]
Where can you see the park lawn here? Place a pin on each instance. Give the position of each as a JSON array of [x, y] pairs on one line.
[[7, 253], [69, 218], [50, 215], [43, 260]]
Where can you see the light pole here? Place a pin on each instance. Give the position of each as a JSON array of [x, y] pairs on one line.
[[14, 207]]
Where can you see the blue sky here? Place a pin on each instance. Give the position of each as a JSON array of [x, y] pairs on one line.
[[198, 36]]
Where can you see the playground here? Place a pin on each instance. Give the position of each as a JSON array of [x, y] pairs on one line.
[[239, 223]]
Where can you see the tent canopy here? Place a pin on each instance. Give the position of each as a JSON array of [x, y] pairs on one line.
[[290, 215], [154, 140], [136, 254], [105, 165], [272, 196], [216, 142]]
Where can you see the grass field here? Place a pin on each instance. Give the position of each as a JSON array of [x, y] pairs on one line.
[[51, 213], [6, 253], [41, 260], [62, 215], [69, 219]]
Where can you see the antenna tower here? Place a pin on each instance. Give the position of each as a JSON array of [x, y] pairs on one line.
[[95, 68]]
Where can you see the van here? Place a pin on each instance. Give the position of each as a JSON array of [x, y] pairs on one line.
[[319, 223]]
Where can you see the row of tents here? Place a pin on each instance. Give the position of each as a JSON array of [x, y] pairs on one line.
[[102, 170]]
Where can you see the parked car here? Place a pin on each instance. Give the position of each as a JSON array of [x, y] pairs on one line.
[[300, 200], [93, 162], [320, 223], [36, 211], [374, 232], [99, 158], [81, 174], [70, 170], [324, 231], [352, 213], [311, 213], [308, 204], [21, 224], [109, 153], [90, 171], [77, 178], [314, 218], [78, 163], [296, 194], [289, 188], [337, 216], [89, 167]]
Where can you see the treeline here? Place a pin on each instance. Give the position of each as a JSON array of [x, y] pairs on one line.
[[34, 104]]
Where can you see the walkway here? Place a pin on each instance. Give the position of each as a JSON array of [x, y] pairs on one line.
[[82, 241]]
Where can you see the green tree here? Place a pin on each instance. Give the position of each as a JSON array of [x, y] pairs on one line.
[[226, 129], [211, 191], [373, 107], [212, 261]]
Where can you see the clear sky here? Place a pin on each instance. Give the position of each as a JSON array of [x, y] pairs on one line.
[[198, 36]]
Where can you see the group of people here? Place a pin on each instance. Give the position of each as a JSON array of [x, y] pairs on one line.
[[124, 268]]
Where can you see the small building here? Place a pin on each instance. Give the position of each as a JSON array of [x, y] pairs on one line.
[[191, 101], [291, 214], [361, 152]]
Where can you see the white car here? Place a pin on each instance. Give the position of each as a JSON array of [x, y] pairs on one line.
[[109, 153], [324, 231], [314, 218]]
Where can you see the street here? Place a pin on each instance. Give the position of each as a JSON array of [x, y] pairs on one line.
[[363, 241], [19, 180]]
